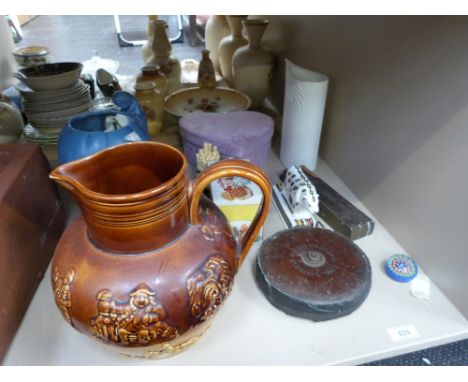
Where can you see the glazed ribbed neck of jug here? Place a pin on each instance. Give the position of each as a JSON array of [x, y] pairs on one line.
[[133, 196]]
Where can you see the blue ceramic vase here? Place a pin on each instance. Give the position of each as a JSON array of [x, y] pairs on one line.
[[88, 133]]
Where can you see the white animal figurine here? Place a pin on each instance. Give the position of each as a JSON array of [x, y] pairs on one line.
[[300, 193]]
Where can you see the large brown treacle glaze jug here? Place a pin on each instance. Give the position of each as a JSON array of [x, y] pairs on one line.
[[150, 260]]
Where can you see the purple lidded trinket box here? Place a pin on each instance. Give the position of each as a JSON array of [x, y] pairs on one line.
[[240, 134]]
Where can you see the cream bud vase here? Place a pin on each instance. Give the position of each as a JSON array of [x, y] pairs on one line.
[[252, 65], [216, 29], [162, 56], [304, 105], [206, 72], [229, 45]]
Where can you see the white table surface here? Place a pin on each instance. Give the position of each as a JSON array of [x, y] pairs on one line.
[[248, 330]]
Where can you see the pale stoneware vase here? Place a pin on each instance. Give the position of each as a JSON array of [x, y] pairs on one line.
[[216, 29], [229, 45], [162, 56], [147, 50], [252, 65]]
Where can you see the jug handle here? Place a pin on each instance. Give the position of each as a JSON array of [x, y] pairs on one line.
[[228, 168]]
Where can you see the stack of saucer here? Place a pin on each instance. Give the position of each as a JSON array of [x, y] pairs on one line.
[[49, 111]]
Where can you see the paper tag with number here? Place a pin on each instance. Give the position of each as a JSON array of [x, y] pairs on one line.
[[401, 333]]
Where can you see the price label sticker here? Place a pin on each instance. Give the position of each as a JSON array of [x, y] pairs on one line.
[[403, 333]]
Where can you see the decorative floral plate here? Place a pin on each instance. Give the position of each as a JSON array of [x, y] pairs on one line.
[[218, 100]]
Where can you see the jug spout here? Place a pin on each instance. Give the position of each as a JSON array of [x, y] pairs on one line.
[[60, 176], [133, 197]]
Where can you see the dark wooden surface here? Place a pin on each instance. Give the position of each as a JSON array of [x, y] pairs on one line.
[[31, 222]]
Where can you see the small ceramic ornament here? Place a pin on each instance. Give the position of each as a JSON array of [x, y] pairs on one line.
[[300, 193], [401, 268], [206, 72], [420, 287], [206, 156]]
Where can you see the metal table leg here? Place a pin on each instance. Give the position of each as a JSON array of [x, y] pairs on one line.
[[124, 42]]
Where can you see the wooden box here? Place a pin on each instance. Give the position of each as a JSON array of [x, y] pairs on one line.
[[31, 222], [339, 213]]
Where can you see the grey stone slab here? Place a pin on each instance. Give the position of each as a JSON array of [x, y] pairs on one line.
[[78, 38]]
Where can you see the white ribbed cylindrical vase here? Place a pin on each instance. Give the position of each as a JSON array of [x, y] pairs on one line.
[[304, 105]]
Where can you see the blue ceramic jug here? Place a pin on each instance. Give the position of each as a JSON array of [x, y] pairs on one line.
[[88, 133]]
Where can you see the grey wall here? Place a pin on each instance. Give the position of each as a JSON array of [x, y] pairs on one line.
[[396, 125]]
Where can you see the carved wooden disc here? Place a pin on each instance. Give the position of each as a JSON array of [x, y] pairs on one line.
[[313, 273]]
